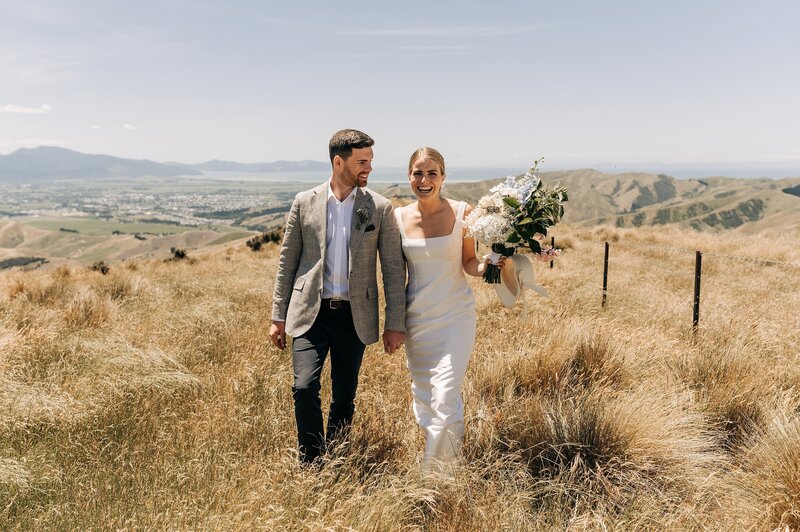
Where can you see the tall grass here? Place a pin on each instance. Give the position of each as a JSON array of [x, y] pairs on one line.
[[151, 398]]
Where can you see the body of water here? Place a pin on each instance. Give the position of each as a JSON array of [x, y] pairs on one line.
[[398, 175], [378, 175]]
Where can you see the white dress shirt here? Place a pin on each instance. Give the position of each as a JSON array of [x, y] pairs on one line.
[[336, 277]]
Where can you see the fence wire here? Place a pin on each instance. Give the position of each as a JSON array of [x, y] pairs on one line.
[[660, 248], [676, 250], [726, 284], [751, 259], [713, 282]]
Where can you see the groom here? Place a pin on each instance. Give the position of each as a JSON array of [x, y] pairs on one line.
[[326, 290]]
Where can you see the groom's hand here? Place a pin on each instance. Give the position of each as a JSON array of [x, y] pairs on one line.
[[392, 340], [277, 331]]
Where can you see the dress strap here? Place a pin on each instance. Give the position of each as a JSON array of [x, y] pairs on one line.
[[460, 214], [399, 218]]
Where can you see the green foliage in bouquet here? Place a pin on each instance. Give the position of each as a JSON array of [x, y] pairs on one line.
[[543, 208]]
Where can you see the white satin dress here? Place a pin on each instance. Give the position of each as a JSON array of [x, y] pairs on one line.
[[441, 320]]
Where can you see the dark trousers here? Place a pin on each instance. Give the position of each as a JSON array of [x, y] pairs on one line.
[[333, 332]]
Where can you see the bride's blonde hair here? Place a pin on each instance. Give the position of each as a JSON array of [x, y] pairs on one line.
[[427, 153]]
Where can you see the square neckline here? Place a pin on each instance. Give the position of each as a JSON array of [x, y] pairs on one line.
[[459, 218]]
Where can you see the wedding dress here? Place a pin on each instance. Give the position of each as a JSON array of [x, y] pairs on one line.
[[441, 320]]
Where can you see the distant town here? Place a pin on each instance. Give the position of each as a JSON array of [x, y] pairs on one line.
[[178, 201]]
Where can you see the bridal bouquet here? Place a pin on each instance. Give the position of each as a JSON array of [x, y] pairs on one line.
[[511, 216]]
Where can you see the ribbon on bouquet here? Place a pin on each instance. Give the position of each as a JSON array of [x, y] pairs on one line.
[[512, 290], [491, 274]]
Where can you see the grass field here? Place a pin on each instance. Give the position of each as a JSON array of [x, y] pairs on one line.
[[151, 398], [228, 237]]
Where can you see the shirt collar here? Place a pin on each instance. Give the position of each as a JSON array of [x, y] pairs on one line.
[[352, 194]]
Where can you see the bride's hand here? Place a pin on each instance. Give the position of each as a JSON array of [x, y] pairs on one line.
[[485, 264]]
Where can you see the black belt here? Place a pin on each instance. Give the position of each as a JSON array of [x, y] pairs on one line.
[[335, 304]]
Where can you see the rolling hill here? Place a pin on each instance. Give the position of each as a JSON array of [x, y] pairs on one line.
[[763, 205], [709, 204], [19, 240]]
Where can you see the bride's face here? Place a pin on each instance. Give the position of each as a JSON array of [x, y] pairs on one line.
[[426, 178]]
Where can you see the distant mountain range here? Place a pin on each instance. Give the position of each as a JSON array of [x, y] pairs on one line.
[[47, 163]]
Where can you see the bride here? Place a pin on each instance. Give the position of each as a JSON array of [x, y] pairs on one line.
[[440, 308]]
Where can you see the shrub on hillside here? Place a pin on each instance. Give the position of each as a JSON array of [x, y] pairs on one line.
[[256, 243], [177, 254], [100, 266]]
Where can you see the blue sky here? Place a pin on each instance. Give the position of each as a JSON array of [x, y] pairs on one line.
[[580, 83]]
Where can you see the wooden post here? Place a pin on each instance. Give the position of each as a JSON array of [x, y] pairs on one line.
[[553, 245], [698, 267], [605, 276]]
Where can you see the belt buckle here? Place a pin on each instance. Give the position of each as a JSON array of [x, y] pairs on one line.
[[335, 304]]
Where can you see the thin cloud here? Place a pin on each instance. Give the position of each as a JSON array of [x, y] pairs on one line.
[[41, 67], [401, 52], [792, 156], [424, 48], [290, 23], [128, 127], [146, 40], [464, 31], [18, 109]]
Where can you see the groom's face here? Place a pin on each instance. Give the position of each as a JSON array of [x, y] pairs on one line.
[[356, 168]]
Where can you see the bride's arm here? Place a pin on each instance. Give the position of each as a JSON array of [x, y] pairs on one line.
[[472, 266]]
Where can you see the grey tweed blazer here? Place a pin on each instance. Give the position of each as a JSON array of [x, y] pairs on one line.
[[298, 284]]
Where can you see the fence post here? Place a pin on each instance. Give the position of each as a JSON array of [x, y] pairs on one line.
[[605, 276], [698, 266], [553, 245]]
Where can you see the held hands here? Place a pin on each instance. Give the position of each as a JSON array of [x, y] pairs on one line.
[[277, 332], [392, 340]]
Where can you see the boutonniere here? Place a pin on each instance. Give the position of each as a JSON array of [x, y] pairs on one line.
[[363, 216]]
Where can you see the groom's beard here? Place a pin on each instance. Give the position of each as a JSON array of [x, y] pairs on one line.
[[355, 180]]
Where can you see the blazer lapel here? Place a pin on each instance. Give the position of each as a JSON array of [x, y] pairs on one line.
[[363, 203], [319, 219]]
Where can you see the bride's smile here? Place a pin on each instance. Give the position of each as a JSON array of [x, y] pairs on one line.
[[426, 178]]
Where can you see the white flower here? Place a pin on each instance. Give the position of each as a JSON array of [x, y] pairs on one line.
[[509, 188], [532, 178], [491, 221]]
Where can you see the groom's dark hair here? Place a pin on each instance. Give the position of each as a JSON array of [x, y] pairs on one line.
[[345, 141]]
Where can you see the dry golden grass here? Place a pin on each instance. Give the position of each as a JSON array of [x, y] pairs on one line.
[[151, 398]]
